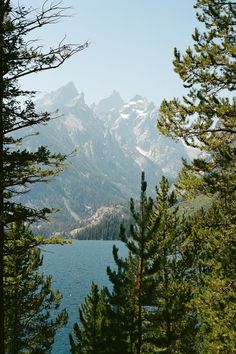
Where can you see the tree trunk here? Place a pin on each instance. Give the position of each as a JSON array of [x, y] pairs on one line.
[[2, 350]]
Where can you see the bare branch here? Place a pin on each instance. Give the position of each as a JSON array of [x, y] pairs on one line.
[[57, 55], [46, 15]]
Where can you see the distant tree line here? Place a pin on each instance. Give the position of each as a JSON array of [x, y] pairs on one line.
[[106, 229]]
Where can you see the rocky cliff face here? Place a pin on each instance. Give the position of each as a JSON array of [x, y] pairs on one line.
[[113, 141]]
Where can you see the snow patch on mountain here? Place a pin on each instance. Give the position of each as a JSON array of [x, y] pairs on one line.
[[115, 140], [73, 123], [142, 152], [74, 215], [124, 116]]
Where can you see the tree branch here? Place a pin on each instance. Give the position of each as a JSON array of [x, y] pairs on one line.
[[59, 55]]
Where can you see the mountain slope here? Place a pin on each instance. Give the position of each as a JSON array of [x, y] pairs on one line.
[[114, 141]]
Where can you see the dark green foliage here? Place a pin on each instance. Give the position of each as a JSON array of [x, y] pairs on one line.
[[20, 168], [138, 244], [126, 313], [31, 307], [173, 325], [93, 336], [206, 119], [105, 226], [160, 291], [152, 286], [123, 307], [211, 248]]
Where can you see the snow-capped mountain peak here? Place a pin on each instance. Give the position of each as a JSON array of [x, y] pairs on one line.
[[59, 98], [112, 102], [115, 140]]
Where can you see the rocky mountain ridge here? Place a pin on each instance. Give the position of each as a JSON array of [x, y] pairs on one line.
[[114, 141]]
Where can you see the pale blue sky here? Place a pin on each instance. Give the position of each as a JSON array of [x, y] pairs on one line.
[[131, 47]]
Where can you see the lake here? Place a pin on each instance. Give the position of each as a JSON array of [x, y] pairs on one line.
[[73, 268]]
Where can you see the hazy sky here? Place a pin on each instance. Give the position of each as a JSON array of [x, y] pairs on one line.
[[131, 47]]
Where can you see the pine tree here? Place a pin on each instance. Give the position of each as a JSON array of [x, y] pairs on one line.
[[126, 311], [123, 312], [19, 168], [150, 305], [205, 118], [91, 337], [151, 288], [173, 324], [211, 248], [31, 311], [138, 243]]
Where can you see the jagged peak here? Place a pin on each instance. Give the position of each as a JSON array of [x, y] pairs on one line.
[[60, 97], [69, 91], [116, 94], [137, 98], [114, 101], [78, 99]]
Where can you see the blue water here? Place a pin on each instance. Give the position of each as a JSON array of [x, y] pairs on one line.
[[73, 268]]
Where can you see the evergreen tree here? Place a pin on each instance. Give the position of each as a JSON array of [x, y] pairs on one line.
[[205, 119], [91, 337], [150, 306], [123, 321], [123, 312], [138, 243], [211, 248], [19, 168], [31, 319], [173, 324], [152, 287]]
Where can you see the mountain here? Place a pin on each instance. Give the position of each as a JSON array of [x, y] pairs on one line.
[[114, 141], [134, 127], [104, 224], [112, 103]]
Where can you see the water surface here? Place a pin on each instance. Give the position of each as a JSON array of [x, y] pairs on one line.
[[73, 268]]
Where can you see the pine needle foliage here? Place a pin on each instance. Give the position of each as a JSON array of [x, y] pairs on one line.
[[31, 307], [151, 287], [205, 117], [21, 56], [92, 335]]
